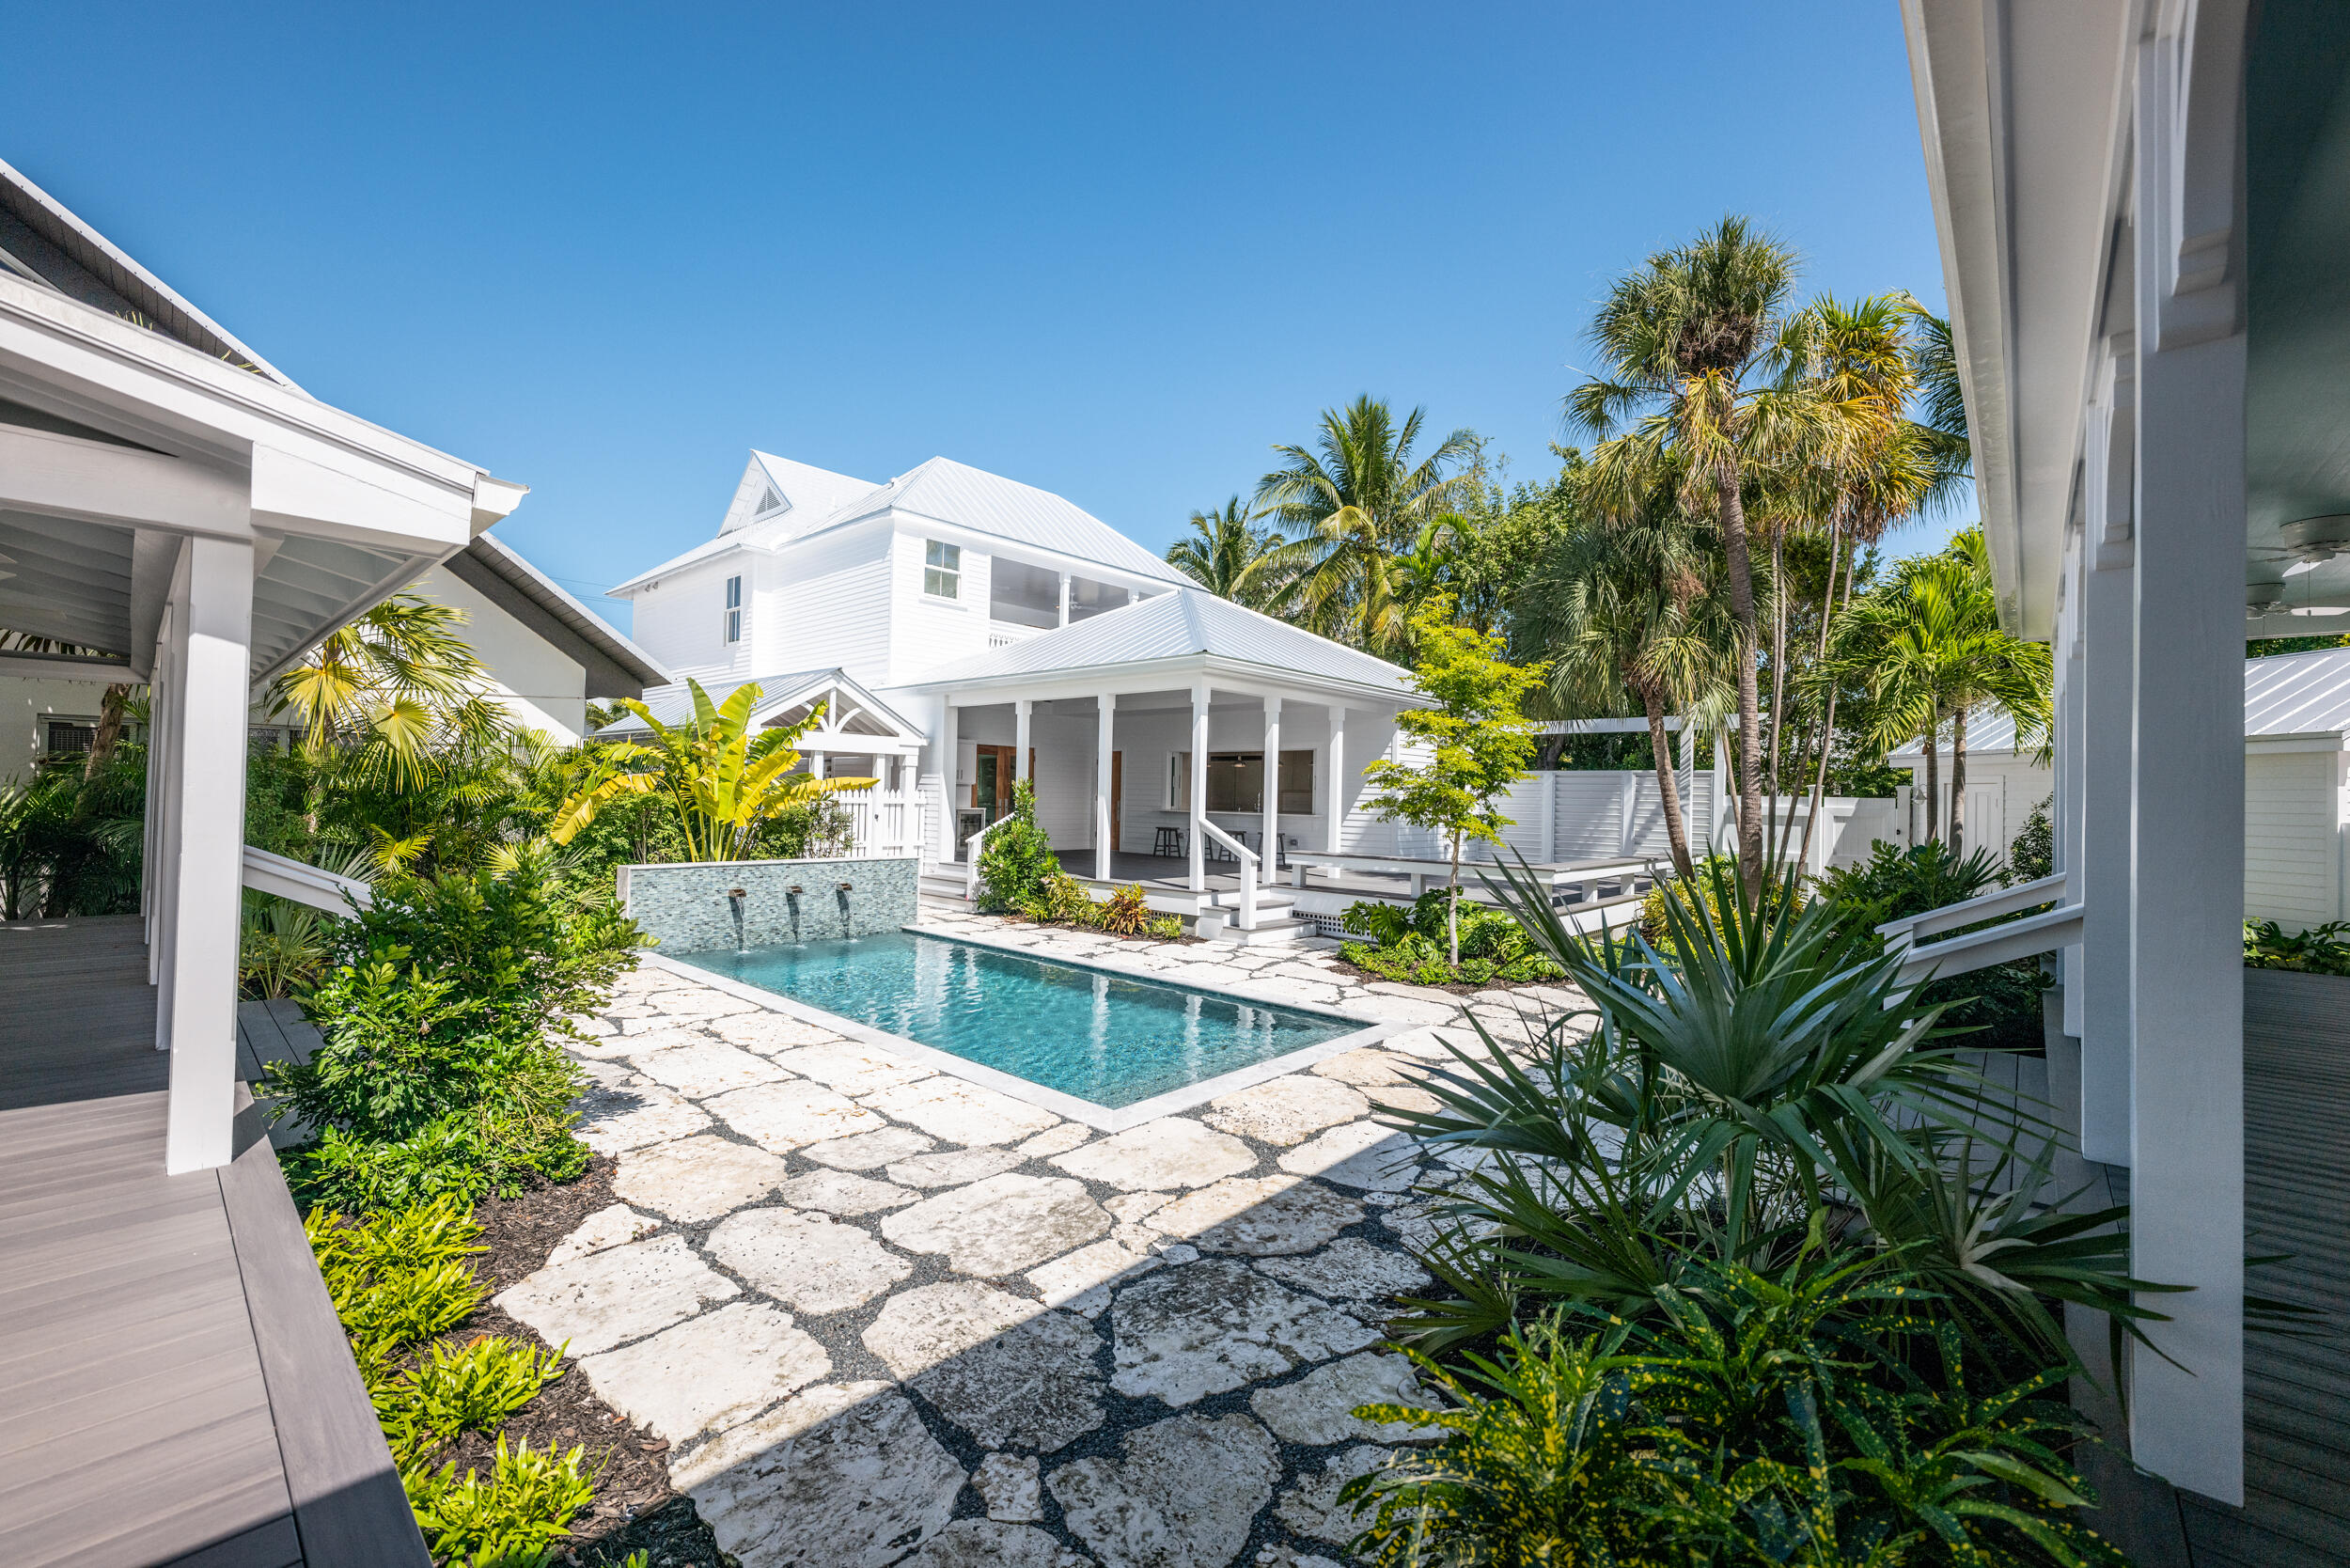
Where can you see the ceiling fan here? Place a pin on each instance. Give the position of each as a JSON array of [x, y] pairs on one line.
[[2308, 543]]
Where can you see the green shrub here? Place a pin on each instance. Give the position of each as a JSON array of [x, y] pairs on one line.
[[1128, 912], [2000, 1004], [471, 1388], [2032, 855], [1015, 857], [512, 1518], [399, 1277], [1715, 873], [436, 1074], [1408, 946], [1060, 899], [2319, 950], [1166, 928]]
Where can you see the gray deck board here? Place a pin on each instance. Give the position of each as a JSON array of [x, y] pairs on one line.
[[174, 1387]]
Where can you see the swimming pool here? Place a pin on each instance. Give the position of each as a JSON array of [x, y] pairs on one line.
[[1103, 1038]]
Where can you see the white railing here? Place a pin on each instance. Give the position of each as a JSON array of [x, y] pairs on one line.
[[1247, 870], [1910, 931], [971, 860], [2043, 932], [298, 882]]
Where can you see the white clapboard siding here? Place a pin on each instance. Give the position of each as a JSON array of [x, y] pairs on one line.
[[2292, 837]]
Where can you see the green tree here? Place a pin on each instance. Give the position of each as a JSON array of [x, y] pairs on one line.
[[1930, 647], [1477, 743], [725, 779], [1226, 554], [1350, 504], [388, 693], [1690, 392]]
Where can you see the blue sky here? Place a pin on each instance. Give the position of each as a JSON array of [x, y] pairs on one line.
[[1113, 251]]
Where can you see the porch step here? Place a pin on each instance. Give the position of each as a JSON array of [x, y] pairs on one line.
[[941, 888], [1218, 926]]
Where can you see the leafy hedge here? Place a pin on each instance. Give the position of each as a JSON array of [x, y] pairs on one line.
[[1409, 946], [2318, 951]]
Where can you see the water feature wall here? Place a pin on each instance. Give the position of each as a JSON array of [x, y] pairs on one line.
[[752, 904]]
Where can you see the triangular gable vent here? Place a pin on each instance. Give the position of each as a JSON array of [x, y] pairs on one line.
[[771, 502]]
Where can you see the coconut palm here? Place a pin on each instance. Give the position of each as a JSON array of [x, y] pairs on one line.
[[1355, 499], [1691, 344], [1227, 555], [1941, 408], [1930, 651], [391, 692], [725, 778], [1634, 611]]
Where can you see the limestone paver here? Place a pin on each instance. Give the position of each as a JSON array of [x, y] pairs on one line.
[[1259, 1216], [1171, 1152], [918, 1328], [841, 1194], [1132, 1208], [1214, 1325], [857, 1489], [1104, 1262], [1317, 1407], [957, 1112], [1364, 1155], [700, 1178], [1054, 1141], [1366, 1067], [1350, 1269], [954, 1168], [691, 1465], [870, 1150], [705, 1068], [769, 1031], [1182, 1494], [1289, 1109], [1002, 1225], [1312, 1508], [659, 1034], [994, 1543], [616, 1295], [615, 1224], [851, 1068], [708, 1373], [1031, 1387], [614, 1120], [787, 1115], [699, 1001], [810, 1261], [1007, 1484]]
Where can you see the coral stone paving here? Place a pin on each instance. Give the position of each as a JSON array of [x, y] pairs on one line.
[[887, 1315]]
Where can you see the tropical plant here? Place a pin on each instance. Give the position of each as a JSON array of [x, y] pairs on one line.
[[1226, 554], [1351, 504], [399, 1276], [2032, 853], [725, 780], [392, 692], [1476, 743], [1691, 396], [71, 840], [1127, 913], [2317, 950], [1016, 858], [1998, 1006], [1930, 647], [282, 946], [507, 1521], [472, 1387], [1408, 944]]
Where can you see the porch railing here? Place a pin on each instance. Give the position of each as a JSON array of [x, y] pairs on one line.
[[1247, 870], [971, 860], [298, 882], [2043, 932]]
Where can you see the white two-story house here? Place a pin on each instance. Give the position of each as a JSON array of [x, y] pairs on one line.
[[964, 631]]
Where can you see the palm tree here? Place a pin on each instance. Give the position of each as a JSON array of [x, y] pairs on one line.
[[386, 694], [1941, 398], [1691, 341], [1633, 610], [1228, 554], [1349, 504], [1930, 648]]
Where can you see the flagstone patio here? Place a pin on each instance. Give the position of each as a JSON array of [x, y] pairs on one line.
[[886, 1315]]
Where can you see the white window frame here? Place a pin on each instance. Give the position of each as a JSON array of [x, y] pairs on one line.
[[730, 626], [942, 563]]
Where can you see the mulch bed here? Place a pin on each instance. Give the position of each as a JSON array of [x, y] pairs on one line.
[[635, 1509]]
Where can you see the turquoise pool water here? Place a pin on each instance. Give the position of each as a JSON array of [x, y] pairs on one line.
[[1099, 1036]]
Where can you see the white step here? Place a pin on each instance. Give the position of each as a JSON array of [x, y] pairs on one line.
[[1281, 932]]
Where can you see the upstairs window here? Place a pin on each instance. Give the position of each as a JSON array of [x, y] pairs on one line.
[[734, 609], [942, 569]]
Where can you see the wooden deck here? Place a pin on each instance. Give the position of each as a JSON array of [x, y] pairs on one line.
[[174, 1387]]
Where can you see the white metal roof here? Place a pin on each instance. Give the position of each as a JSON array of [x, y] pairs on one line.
[[988, 503], [2285, 694], [779, 697], [809, 496], [1188, 622]]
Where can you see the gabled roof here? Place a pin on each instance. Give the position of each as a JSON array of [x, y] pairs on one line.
[[781, 696], [1189, 622], [615, 665], [807, 494], [988, 503], [2284, 694]]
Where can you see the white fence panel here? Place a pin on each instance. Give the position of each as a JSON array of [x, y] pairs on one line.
[[882, 822]]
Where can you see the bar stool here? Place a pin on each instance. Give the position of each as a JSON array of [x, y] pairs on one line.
[[1168, 845]]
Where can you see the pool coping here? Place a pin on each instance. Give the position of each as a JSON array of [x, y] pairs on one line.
[[1101, 1118]]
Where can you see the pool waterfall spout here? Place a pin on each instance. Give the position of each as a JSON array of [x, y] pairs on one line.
[[848, 931], [791, 899], [734, 903]]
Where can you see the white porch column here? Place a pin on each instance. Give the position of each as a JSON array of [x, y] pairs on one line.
[[1337, 778], [815, 764], [949, 748], [1197, 878], [214, 640], [1104, 748], [2068, 803], [1064, 599], [1021, 710], [2187, 970], [1271, 857]]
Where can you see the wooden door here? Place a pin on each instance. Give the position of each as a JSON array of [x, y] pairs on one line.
[[1118, 790]]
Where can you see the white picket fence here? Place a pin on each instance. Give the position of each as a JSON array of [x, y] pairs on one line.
[[882, 822], [1589, 815]]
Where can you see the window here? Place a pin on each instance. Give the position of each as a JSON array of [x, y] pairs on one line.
[[734, 609], [72, 737], [1088, 598], [942, 569], [1023, 595], [1236, 782]]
